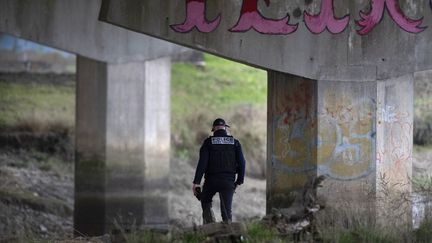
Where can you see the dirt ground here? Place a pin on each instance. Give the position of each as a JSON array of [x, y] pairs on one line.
[[33, 201], [37, 201], [249, 199], [40, 202]]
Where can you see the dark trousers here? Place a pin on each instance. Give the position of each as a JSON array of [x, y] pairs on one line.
[[225, 188]]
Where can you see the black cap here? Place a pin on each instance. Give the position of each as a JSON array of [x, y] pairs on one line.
[[219, 122]]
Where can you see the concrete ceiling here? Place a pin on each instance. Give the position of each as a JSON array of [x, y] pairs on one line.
[[326, 40]]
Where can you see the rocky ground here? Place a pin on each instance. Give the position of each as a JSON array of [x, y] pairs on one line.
[[36, 199], [249, 199]]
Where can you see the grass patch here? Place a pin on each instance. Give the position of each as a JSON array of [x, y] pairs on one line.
[[363, 235], [257, 232], [422, 148], [422, 184], [22, 103], [219, 86], [193, 238], [223, 88]]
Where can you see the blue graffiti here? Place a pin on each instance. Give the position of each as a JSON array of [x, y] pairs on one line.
[[11, 43]]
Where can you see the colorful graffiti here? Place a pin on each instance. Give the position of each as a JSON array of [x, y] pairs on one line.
[[251, 18], [398, 151], [333, 131], [325, 20], [294, 129], [370, 20], [195, 18], [347, 136], [336, 139]]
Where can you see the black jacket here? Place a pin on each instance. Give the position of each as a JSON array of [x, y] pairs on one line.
[[204, 158]]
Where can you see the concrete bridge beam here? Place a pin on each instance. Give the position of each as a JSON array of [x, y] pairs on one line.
[[73, 26], [357, 134], [122, 144]]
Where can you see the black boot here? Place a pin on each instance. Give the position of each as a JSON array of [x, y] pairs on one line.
[[208, 215]]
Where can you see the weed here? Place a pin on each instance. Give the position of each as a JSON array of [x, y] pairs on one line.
[[192, 237], [130, 232], [257, 232], [423, 184], [363, 235]]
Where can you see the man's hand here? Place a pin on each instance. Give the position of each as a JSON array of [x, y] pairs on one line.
[[194, 186]]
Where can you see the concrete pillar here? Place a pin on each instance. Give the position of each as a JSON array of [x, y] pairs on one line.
[[358, 134], [122, 144], [395, 105]]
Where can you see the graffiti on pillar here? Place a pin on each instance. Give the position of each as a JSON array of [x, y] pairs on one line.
[[195, 18], [294, 129], [251, 18], [397, 150], [346, 137], [325, 20], [388, 114], [370, 20], [344, 149]]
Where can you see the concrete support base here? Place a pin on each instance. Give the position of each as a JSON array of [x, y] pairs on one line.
[[122, 144], [357, 134]]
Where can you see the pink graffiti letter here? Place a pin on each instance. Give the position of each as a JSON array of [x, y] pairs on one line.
[[195, 17], [325, 19], [370, 20], [251, 18]]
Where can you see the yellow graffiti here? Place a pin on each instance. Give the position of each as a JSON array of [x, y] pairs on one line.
[[339, 144]]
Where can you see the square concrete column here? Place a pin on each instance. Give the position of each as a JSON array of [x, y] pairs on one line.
[[122, 144], [357, 134]]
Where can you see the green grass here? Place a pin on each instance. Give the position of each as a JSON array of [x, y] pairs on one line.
[[223, 88], [44, 103], [363, 235], [220, 85], [422, 184], [257, 232], [421, 148]]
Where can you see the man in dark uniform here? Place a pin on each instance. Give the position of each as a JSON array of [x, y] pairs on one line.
[[220, 159]]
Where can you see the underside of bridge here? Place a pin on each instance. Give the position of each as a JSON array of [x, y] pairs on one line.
[[340, 100]]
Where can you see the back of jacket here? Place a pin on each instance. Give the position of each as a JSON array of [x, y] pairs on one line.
[[222, 155]]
